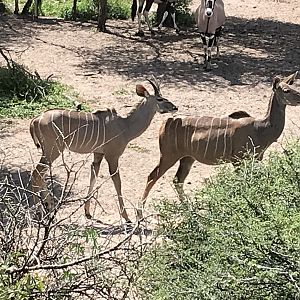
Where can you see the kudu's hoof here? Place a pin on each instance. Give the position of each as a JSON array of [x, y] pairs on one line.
[[152, 32], [177, 31], [140, 33], [88, 216], [139, 215]]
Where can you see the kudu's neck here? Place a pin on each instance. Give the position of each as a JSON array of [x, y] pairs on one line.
[[272, 125], [139, 118]]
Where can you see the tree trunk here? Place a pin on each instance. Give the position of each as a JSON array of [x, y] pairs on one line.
[[37, 7], [102, 15], [16, 12], [74, 10]]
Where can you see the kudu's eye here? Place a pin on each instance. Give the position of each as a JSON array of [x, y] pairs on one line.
[[159, 99]]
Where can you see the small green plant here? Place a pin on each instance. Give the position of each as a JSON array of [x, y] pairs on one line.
[[238, 238], [24, 94], [119, 9]]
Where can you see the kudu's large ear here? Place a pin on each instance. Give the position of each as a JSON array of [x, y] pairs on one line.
[[290, 79], [141, 91], [276, 81]]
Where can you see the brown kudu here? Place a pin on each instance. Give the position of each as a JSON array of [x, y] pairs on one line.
[[211, 140], [103, 133]]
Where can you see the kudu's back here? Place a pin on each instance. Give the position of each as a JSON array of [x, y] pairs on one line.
[[207, 139], [80, 132]]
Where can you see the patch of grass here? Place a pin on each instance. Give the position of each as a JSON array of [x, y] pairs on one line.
[[24, 94], [86, 9]]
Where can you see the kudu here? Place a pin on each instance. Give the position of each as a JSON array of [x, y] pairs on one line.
[[168, 9], [210, 16], [103, 133], [211, 140]]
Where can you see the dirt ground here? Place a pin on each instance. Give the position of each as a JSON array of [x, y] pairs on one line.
[[261, 40]]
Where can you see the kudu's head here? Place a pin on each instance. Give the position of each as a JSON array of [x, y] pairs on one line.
[[283, 89], [163, 105]]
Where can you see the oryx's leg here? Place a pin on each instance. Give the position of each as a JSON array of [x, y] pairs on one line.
[[146, 14], [174, 23], [171, 10], [165, 15], [217, 46], [113, 164], [38, 182], [139, 14], [165, 164], [204, 41], [162, 20], [209, 47], [95, 167], [181, 174], [216, 41]]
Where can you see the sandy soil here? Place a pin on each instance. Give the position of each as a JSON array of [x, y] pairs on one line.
[[261, 39]]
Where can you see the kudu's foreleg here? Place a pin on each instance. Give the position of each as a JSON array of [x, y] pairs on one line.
[[95, 167], [164, 165], [113, 165], [181, 174]]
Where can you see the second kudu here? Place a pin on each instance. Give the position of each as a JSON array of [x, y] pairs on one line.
[[103, 133], [211, 140]]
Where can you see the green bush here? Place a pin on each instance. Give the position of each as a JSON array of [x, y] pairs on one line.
[[24, 94], [238, 238], [184, 17], [86, 9]]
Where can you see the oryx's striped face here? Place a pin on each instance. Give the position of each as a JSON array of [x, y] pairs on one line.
[[209, 7]]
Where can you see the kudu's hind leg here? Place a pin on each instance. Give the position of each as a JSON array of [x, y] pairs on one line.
[[95, 167], [38, 182], [164, 165], [181, 174]]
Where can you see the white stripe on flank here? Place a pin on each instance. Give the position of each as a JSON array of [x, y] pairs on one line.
[[62, 126], [92, 132], [194, 133], [78, 130], [209, 134], [69, 117], [104, 133], [71, 133], [86, 129], [54, 128], [218, 134], [96, 140], [198, 140], [175, 137], [226, 128], [186, 134]]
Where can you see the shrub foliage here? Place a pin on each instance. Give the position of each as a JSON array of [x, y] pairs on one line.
[[238, 238], [23, 94]]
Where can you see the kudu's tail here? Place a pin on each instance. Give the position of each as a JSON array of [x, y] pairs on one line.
[[32, 132], [133, 9]]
